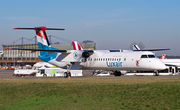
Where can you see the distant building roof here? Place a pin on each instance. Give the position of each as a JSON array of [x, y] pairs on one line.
[[87, 41]]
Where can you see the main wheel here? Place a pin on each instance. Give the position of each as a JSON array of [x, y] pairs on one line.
[[65, 74], [117, 73], [44, 75]]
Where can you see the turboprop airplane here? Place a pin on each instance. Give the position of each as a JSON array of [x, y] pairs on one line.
[[93, 59]]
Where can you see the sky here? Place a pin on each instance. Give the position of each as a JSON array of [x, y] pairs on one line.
[[112, 24]]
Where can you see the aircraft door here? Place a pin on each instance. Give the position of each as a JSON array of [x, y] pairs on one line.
[[124, 60], [129, 61]]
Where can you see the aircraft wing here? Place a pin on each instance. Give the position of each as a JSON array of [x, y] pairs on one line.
[[136, 48], [152, 49], [47, 50], [170, 64]]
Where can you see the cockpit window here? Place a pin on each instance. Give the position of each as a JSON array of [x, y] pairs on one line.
[[148, 56], [151, 56], [144, 56]]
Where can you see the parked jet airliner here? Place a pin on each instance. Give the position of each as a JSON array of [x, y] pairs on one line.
[[170, 62], [93, 59]]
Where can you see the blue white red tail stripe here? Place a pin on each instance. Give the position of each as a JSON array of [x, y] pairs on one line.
[[43, 42], [41, 36]]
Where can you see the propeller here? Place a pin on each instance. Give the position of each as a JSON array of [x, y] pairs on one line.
[[140, 45]]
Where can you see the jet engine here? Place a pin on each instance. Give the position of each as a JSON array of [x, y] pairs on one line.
[[85, 54]]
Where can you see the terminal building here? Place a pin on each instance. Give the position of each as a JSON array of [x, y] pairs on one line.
[[15, 58]]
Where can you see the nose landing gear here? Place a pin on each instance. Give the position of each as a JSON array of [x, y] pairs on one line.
[[156, 73]]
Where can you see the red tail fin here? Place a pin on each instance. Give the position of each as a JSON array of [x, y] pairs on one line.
[[76, 46], [163, 56]]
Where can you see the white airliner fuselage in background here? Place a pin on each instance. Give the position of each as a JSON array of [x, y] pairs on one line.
[[170, 62], [94, 59]]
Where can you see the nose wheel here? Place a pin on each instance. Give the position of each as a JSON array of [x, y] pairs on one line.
[[156, 73]]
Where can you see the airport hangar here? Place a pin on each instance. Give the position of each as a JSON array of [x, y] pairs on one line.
[[16, 58]]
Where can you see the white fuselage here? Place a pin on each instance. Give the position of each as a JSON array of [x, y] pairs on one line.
[[172, 62], [105, 60]]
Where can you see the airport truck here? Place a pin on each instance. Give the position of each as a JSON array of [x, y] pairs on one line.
[[57, 72], [33, 71], [28, 72]]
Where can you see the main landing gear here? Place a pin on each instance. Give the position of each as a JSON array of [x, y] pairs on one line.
[[68, 73], [117, 73]]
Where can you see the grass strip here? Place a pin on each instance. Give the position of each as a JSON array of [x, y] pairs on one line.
[[89, 94]]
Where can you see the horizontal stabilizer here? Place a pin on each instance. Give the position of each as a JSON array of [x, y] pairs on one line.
[[40, 28], [43, 50]]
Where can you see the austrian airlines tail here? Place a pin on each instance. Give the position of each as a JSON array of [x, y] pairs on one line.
[[76, 45], [163, 56]]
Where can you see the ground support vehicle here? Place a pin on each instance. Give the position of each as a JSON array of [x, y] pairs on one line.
[[57, 72]]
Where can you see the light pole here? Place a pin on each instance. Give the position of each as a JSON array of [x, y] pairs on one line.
[[14, 54]]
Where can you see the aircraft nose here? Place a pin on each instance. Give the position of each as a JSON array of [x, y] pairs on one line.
[[161, 65]]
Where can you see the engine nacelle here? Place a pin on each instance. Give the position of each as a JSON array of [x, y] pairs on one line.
[[85, 54]]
